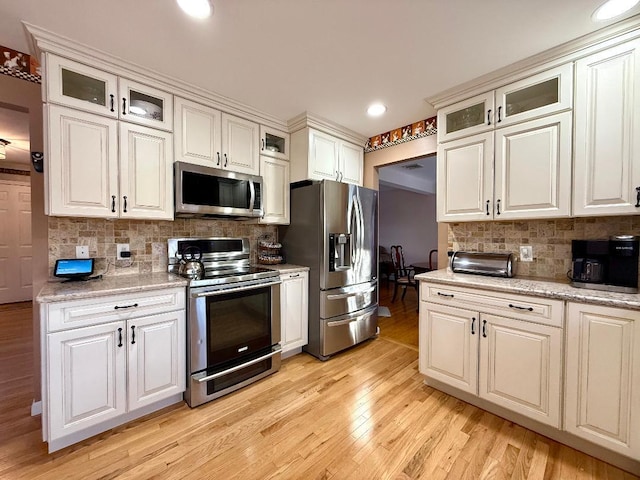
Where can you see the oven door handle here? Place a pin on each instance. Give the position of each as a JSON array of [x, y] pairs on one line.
[[339, 296], [238, 367], [233, 290]]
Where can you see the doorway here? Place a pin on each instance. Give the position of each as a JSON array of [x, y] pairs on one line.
[[407, 217], [15, 206]]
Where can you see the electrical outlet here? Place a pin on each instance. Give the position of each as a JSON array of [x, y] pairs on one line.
[[121, 247], [526, 253], [82, 251]]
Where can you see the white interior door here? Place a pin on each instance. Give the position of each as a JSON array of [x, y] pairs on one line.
[[15, 242]]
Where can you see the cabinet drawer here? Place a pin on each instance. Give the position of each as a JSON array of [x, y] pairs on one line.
[[93, 311], [533, 309]]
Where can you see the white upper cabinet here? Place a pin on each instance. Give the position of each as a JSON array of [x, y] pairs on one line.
[[82, 164], [275, 190], [87, 177], [466, 118], [76, 85], [240, 140], [86, 88], [520, 166], [208, 137], [145, 105], [274, 143], [536, 96], [607, 130], [198, 133], [318, 156], [465, 179], [146, 173], [533, 169]]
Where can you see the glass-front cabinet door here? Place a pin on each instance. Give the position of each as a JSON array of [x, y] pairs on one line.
[[145, 105], [274, 143], [471, 116], [542, 94], [79, 86]]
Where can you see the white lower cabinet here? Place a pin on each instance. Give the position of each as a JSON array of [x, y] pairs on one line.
[[97, 373], [602, 392], [511, 362], [294, 297]]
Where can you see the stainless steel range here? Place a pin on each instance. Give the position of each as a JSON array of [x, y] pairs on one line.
[[233, 318]]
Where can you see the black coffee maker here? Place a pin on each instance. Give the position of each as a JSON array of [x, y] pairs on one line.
[[610, 265]]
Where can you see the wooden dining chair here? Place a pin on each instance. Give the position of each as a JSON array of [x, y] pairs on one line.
[[403, 276]]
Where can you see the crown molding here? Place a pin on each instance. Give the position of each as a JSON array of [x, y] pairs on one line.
[[42, 40], [604, 38], [311, 120]]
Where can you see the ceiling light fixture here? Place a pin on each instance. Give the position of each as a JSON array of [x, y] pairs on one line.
[[3, 149], [376, 109], [613, 8], [196, 8]]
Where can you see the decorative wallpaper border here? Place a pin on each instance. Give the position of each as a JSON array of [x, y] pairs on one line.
[[422, 128], [19, 65]]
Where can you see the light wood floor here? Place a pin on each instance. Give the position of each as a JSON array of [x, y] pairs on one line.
[[365, 414]]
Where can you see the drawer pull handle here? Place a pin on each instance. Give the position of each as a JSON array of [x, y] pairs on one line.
[[218, 162], [484, 328], [473, 324], [530, 309], [113, 203], [119, 337], [499, 113], [117, 307], [133, 334], [294, 275], [124, 106], [448, 295], [638, 197], [489, 117], [112, 103]]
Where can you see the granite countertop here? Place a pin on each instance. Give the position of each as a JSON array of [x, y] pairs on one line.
[[286, 268], [108, 285], [537, 288]]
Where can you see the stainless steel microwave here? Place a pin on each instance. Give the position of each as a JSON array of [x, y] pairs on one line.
[[204, 191]]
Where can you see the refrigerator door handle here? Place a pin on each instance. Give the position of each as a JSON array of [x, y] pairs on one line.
[[339, 296]]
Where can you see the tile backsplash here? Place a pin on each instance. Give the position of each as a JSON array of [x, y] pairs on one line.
[[550, 239], [147, 240]]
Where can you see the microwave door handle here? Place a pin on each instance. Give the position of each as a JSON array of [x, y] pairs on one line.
[[252, 191]]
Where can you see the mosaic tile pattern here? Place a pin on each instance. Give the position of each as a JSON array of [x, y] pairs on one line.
[[550, 239], [147, 240]]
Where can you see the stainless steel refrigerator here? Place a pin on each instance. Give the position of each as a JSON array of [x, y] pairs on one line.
[[334, 232]]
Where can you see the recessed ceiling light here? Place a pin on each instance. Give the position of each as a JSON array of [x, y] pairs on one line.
[[613, 8], [196, 8], [376, 109]]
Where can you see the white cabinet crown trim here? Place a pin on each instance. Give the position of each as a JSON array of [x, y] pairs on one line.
[[42, 40], [566, 52], [316, 122]]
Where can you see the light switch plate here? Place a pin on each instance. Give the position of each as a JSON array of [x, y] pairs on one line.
[[526, 253], [82, 251]]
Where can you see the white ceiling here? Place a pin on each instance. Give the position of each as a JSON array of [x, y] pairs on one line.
[[417, 175], [329, 57]]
